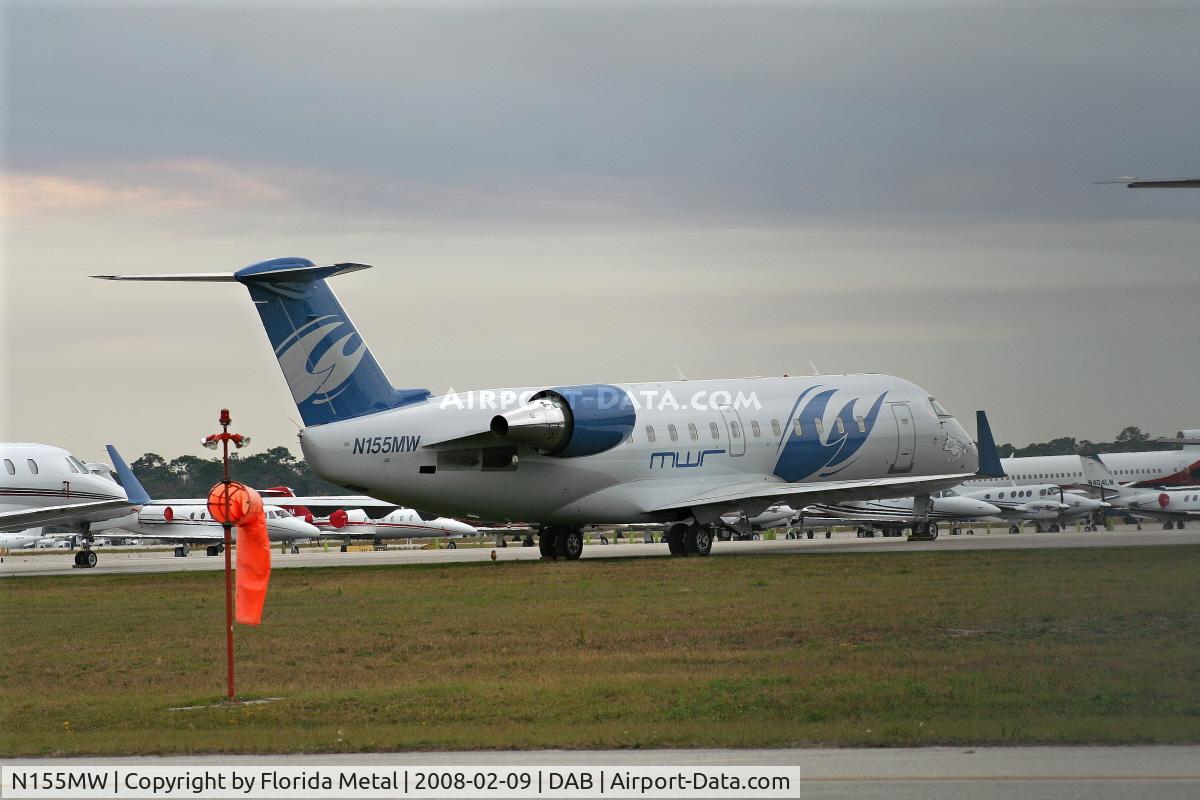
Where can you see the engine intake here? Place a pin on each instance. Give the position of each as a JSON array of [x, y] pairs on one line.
[[570, 421]]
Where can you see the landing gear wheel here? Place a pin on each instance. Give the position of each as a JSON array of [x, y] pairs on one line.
[[546, 543], [809, 534], [931, 531], [970, 531], [527, 542], [181, 552], [1168, 525], [675, 539], [453, 546], [1014, 529], [1055, 527], [89, 558], [569, 543], [213, 550], [699, 539]]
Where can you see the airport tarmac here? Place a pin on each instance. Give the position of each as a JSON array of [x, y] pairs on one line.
[[963, 773], [121, 561]]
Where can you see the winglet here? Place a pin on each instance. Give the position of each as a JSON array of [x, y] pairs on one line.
[[133, 489], [989, 456]]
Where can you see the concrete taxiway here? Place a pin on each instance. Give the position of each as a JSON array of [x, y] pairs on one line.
[[127, 561], [962, 773]]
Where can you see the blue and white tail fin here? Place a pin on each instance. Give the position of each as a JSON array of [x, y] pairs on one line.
[[330, 370], [133, 488]]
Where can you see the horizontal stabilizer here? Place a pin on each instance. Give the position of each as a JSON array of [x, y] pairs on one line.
[[177, 276]]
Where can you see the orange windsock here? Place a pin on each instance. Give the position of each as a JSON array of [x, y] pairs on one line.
[[240, 505]]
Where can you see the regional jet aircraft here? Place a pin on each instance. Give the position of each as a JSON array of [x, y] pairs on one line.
[[681, 452], [1145, 468], [1174, 506], [43, 485]]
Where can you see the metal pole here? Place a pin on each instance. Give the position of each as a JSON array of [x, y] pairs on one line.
[[225, 420]]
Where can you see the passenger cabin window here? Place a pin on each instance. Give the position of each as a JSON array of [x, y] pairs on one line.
[[734, 430], [716, 433], [674, 434], [754, 427], [650, 433], [9, 468], [797, 428], [839, 426], [820, 423], [862, 424], [775, 427], [32, 465], [692, 432]]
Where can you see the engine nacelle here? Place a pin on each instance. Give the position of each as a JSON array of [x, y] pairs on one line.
[[570, 421]]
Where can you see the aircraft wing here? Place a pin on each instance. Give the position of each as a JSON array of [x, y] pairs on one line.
[[1155, 183], [65, 514], [762, 494]]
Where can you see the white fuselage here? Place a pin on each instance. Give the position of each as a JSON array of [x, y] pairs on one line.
[[36, 476], [677, 450], [1044, 501], [403, 523], [193, 523], [1156, 466]]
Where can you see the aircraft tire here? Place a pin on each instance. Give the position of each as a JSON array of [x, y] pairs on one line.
[[546, 543], [568, 544], [809, 533], [699, 540], [452, 546], [1014, 529], [675, 539], [211, 550], [78, 560], [931, 531], [89, 558]]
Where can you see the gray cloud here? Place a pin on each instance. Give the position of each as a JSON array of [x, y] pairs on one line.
[[603, 193]]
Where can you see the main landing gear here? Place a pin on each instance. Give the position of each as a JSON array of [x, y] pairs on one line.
[[183, 550], [214, 549], [924, 532], [684, 539], [560, 542], [86, 559]]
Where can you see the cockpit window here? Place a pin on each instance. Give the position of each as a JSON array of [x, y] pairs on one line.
[[72, 467], [938, 409], [79, 464]]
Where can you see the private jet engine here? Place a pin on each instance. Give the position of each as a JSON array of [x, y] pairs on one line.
[[570, 421]]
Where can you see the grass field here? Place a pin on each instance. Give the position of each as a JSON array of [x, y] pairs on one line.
[[1087, 645]]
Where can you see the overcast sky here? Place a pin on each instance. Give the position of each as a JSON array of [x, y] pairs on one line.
[[603, 193]]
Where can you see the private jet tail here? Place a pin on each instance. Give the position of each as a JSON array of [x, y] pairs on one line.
[[1097, 474], [133, 488], [330, 370]]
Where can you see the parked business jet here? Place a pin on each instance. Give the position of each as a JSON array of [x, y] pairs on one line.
[[684, 452], [187, 522], [360, 517], [43, 485], [1038, 503], [895, 514], [1173, 506]]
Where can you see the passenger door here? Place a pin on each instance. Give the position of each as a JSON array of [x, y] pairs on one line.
[[906, 438], [735, 434]]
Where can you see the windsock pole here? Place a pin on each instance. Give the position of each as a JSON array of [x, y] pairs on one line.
[[225, 437]]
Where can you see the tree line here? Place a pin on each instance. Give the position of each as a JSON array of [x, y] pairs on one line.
[[192, 476], [1130, 439]]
